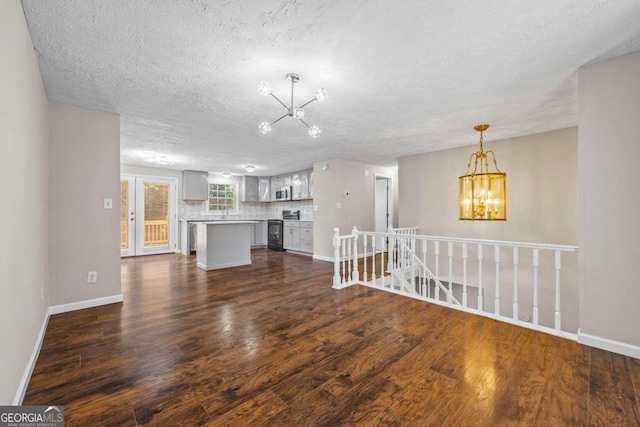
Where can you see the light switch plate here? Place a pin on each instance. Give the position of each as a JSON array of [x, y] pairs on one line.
[[315, 208], [338, 205], [108, 203]]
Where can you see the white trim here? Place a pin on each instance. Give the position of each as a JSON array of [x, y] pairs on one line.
[[26, 376], [323, 258], [609, 345], [79, 305]]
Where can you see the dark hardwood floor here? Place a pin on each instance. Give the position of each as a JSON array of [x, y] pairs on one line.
[[272, 344]]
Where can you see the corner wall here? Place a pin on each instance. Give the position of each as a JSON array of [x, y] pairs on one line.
[[356, 209], [24, 130], [83, 236], [609, 146]]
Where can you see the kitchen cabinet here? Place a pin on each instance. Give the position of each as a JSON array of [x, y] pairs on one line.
[[273, 182], [250, 189], [300, 185], [291, 235], [306, 236], [311, 183], [298, 236], [277, 182], [264, 186], [259, 234], [195, 185]]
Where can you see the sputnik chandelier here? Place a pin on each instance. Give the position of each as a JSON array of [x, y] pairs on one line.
[[296, 113], [483, 194]]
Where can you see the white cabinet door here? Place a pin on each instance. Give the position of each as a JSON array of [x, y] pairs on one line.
[[249, 189], [291, 238], [195, 185], [264, 186], [261, 233]]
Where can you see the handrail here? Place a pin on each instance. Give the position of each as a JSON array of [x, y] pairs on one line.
[[409, 264]]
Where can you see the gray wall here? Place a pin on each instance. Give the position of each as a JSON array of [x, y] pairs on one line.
[[83, 236], [23, 189], [357, 209], [609, 148], [542, 189]]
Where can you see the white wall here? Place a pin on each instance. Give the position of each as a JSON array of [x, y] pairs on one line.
[[609, 148], [23, 191], [84, 166], [357, 209]]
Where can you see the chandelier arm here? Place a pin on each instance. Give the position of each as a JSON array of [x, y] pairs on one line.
[[307, 103], [305, 123], [277, 120], [469, 164], [293, 82], [495, 162], [278, 99]]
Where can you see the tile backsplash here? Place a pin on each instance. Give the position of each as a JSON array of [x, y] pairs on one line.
[[248, 210]]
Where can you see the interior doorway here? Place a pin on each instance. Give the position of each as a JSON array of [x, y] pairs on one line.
[[147, 215], [383, 210]]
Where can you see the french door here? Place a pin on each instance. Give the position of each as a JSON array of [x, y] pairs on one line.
[[147, 215]]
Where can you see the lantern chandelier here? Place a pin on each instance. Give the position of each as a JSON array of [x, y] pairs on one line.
[[296, 113], [483, 194]]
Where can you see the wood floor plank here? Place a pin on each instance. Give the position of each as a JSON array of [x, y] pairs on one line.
[[612, 400], [273, 344], [564, 400]]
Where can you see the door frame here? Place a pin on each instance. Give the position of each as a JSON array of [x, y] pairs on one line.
[[131, 211], [389, 204], [140, 180]]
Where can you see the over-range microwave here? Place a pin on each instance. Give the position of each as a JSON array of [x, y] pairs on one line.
[[284, 193]]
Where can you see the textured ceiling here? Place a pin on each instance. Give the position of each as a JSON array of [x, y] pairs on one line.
[[403, 77]]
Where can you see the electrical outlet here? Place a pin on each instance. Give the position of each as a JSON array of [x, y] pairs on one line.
[[108, 203], [92, 277]]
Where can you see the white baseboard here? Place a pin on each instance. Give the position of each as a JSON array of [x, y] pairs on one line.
[[609, 345], [57, 309], [26, 376]]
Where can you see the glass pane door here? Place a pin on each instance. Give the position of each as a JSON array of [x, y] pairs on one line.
[[147, 215], [155, 215]]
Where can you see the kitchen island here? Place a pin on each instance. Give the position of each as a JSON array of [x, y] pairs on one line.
[[223, 244]]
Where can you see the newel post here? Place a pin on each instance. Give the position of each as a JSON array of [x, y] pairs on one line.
[[336, 258], [355, 272]]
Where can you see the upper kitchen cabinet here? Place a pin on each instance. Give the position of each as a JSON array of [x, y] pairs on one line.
[[264, 189], [277, 182], [250, 189], [195, 185], [311, 183], [300, 184]]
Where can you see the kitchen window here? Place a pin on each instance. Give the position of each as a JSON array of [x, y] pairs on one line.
[[222, 197]]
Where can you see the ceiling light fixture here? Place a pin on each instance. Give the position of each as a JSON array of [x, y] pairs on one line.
[[483, 194], [249, 168], [226, 175], [297, 113]]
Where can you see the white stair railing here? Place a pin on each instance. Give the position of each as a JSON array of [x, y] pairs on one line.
[[516, 282]]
